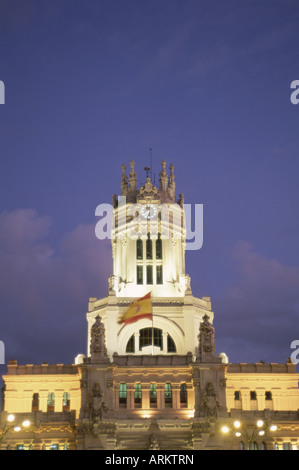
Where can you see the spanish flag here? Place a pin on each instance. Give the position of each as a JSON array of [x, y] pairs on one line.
[[141, 308]]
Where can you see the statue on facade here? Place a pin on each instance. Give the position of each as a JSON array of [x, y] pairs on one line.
[[96, 405], [97, 341], [209, 403], [206, 339]]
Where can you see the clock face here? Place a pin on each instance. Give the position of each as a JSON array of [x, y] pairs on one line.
[[149, 211]]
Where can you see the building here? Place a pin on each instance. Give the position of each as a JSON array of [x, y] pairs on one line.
[[150, 383]]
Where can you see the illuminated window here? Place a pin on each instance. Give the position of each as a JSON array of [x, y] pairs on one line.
[[51, 401], [20, 447], [183, 396], [123, 395], [66, 401], [137, 396], [153, 396], [54, 447], [168, 395]]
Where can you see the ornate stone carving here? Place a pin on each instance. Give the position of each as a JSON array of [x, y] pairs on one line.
[[209, 403], [154, 444], [96, 405], [206, 339], [97, 342]]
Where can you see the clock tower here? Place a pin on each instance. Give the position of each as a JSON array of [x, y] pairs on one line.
[[148, 239]]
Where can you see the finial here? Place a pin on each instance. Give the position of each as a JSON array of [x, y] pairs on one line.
[[132, 177], [163, 177], [124, 182], [147, 169]]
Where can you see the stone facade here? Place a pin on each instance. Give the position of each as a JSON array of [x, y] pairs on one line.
[[152, 384]]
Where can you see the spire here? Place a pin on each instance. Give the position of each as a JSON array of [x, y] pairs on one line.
[[163, 177], [124, 181]]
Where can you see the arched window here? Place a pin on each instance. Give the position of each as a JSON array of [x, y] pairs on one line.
[[171, 347], [159, 247], [139, 249], [146, 337], [131, 345], [149, 247]]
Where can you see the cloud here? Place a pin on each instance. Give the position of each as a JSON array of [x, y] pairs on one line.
[[44, 289], [257, 317]]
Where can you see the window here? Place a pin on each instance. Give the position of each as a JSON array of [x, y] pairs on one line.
[[149, 247], [123, 395], [171, 347], [51, 401], [168, 395], [153, 396], [159, 274], [286, 446], [35, 402], [20, 447], [268, 395], [146, 337], [137, 396], [139, 249], [139, 274], [241, 446], [252, 395], [159, 247], [66, 401], [237, 395], [54, 447], [183, 396], [149, 274], [131, 345]]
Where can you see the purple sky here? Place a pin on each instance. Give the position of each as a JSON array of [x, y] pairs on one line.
[[92, 84]]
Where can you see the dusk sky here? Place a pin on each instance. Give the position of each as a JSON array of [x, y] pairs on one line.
[[92, 84]]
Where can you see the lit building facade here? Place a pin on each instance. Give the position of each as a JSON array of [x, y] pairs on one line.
[[156, 383]]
